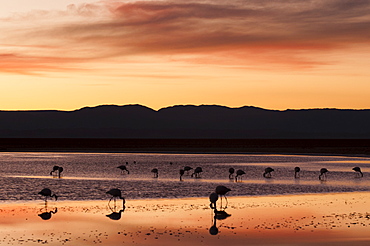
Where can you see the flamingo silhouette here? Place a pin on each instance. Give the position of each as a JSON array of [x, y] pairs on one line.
[[213, 197], [55, 168], [323, 172], [155, 172], [221, 191], [123, 168], [46, 192], [197, 172], [116, 193], [231, 172], [181, 173], [296, 172], [187, 169], [60, 170], [239, 174], [358, 171], [267, 173]]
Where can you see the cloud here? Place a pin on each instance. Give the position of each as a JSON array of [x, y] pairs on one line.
[[291, 33]]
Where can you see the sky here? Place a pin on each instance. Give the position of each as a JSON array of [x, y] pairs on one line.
[[282, 54]]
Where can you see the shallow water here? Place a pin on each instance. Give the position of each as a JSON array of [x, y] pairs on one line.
[[313, 219], [88, 176]]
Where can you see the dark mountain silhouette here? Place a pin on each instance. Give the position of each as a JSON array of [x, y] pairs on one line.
[[186, 122]]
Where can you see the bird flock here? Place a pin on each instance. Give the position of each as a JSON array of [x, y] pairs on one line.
[[220, 191]]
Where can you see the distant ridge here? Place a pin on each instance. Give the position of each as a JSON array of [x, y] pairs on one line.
[[186, 122]]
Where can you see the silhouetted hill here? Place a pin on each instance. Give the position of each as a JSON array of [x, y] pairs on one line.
[[206, 121]]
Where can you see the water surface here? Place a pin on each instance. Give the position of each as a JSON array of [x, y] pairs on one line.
[[87, 176]]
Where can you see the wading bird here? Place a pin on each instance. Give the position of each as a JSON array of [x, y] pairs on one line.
[[231, 172], [155, 172], [323, 172], [187, 169], [296, 172], [221, 191], [197, 172], [60, 170], [55, 169], [267, 173], [358, 171], [213, 197], [46, 192], [181, 173], [123, 168], [116, 193], [239, 174]]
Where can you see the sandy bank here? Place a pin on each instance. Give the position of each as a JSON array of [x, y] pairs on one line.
[[337, 219]]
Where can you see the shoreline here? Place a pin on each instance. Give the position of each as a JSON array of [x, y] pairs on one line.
[[320, 219], [343, 147]]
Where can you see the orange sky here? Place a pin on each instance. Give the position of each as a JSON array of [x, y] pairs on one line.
[[271, 54]]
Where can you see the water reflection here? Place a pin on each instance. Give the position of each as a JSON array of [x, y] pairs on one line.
[[45, 213], [116, 215], [218, 215]]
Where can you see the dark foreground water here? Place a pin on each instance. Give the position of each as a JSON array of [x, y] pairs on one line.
[[88, 176]]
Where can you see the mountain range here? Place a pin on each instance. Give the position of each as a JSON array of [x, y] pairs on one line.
[[186, 122]]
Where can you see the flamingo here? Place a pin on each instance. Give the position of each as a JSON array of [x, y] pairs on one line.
[[155, 172], [221, 191], [46, 192], [296, 172], [267, 173], [197, 172], [231, 172], [239, 173], [116, 193], [187, 169], [213, 197], [181, 173], [60, 170], [358, 171], [55, 168], [323, 172], [123, 168]]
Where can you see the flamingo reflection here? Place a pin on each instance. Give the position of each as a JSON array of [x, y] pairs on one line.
[[116, 215], [47, 215], [218, 215]]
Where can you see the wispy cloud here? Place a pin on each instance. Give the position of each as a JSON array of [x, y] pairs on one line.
[[258, 33]]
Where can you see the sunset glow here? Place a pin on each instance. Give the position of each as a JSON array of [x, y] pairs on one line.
[[277, 55]]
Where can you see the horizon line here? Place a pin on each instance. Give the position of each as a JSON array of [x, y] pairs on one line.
[[180, 105]]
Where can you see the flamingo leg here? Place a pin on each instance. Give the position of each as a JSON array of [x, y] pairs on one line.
[[226, 201]]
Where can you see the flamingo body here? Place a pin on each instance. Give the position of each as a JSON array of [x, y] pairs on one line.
[[267, 173], [46, 192], [239, 174]]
